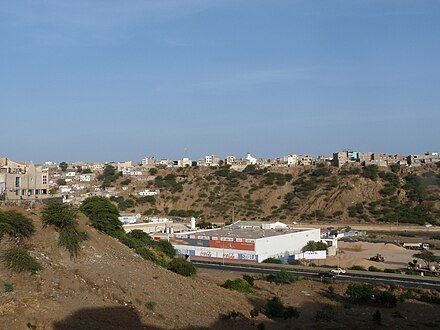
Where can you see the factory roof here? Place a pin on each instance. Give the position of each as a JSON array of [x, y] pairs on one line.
[[244, 233]]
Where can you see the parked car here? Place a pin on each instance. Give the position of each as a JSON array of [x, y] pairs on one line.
[[338, 271], [327, 275]]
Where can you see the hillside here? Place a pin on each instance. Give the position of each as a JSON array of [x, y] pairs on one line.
[[345, 195], [106, 286]]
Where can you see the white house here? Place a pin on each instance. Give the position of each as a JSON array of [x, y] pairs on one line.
[[85, 177], [65, 189], [147, 192], [251, 160], [292, 160], [70, 173]]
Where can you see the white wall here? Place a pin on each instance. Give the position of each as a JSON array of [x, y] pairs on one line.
[[284, 245]]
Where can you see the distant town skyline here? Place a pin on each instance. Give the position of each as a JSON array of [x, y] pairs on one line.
[[100, 81]]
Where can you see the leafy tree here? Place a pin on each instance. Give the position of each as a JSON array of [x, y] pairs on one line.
[[315, 246], [59, 214], [63, 166], [427, 257], [64, 217], [71, 238], [152, 171], [103, 215], [86, 171]]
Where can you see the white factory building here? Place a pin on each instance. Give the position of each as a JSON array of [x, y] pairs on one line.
[[245, 241]]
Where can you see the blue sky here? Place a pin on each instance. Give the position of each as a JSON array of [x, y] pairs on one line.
[[113, 80]]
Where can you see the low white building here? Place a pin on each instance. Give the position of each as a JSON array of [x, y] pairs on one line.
[[244, 242], [70, 174], [148, 192], [85, 177], [130, 218], [65, 189]]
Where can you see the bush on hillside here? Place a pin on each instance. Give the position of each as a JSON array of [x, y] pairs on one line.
[[59, 214], [182, 267], [15, 224], [274, 309], [71, 238], [249, 278], [282, 277], [19, 260], [103, 215], [385, 299], [239, 285], [359, 292]]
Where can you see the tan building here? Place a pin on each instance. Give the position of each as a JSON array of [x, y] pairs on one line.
[[20, 181]]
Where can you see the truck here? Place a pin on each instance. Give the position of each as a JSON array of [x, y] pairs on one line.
[[416, 246]]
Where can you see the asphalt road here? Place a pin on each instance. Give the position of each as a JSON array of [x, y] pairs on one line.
[[371, 278]]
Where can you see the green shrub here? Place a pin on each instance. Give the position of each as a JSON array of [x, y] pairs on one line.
[[249, 278], [315, 246], [182, 267], [407, 295], [151, 305], [359, 292], [374, 269], [274, 308], [272, 261], [385, 299], [59, 214], [71, 239], [165, 247], [392, 271], [429, 298], [19, 260], [239, 285], [282, 277], [8, 287], [326, 314], [357, 267], [103, 215], [370, 172], [15, 224]]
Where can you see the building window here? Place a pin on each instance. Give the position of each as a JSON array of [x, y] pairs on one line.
[[17, 182], [44, 179]]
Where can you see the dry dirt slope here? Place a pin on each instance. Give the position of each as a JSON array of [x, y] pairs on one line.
[[107, 287]]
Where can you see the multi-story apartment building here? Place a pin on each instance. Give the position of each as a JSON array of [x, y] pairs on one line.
[[20, 181]]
